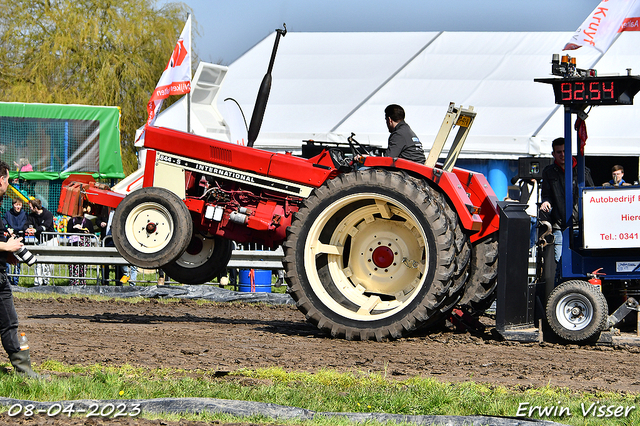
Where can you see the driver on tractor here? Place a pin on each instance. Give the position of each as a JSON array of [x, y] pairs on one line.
[[403, 142]]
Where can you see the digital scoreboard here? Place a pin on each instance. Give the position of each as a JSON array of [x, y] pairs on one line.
[[613, 90]]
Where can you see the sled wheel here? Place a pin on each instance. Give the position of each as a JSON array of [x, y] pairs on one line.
[[369, 256], [480, 290], [577, 311], [204, 259], [151, 227]]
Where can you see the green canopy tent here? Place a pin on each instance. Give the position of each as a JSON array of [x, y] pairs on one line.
[[48, 142], [57, 140]]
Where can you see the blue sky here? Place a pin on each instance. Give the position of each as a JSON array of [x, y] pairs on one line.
[[228, 28]]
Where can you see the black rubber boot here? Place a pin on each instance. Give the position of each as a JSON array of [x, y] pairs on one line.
[[21, 362]]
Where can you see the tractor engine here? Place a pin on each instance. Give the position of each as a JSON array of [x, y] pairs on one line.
[[242, 214]]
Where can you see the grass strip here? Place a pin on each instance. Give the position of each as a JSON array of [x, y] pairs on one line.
[[324, 391]]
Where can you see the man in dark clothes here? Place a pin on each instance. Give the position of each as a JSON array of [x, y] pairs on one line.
[[38, 221], [403, 143], [20, 359], [553, 202]]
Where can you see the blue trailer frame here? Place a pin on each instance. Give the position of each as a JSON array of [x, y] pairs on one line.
[[578, 261]]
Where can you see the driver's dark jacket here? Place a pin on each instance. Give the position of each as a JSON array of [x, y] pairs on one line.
[[403, 143], [553, 192]]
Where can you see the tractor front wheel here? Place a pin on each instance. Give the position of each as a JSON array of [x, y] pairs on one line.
[[204, 259], [151, 227]]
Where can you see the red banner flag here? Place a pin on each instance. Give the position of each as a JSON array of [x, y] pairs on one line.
[[607, 20], [176, 78]]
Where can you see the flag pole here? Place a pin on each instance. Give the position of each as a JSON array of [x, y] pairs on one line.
[[190, 81]]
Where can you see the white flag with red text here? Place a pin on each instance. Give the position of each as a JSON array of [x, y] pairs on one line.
[[176, 78], [602, 26]]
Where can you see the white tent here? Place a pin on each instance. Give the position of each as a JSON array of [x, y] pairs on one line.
[[327, 85]]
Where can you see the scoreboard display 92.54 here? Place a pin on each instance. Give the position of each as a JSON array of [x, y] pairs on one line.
[[612, 90]]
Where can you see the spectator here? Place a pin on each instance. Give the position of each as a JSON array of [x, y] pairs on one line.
[[79, 225], [161, 276], [233, 272], [40, 225], [617, 172], [553, 194], [129, 275], [123, 274], [107, 241], [233, 276], [105, 224], [102, 222], [15, 220], [23, 165]]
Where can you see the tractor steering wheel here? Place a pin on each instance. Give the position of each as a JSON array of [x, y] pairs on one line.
[[352, 145]]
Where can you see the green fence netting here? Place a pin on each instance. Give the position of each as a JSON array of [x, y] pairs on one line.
[[51, 141]]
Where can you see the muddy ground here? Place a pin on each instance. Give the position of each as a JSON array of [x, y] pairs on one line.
[[226, 337]]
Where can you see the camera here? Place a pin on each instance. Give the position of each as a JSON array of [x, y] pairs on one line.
[[25, 256]]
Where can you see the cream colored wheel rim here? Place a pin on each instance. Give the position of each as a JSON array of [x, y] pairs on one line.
[[377, 258], [198, 252], [149, 227]]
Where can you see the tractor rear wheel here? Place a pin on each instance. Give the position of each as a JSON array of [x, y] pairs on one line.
[[370, 256], [204, 259], [480, 290], [462, 258], [151, 227], [577, 311]]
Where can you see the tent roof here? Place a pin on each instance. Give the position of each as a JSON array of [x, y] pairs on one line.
[[327, 85]]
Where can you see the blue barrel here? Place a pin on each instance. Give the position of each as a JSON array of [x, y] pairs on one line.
[[261, 280], [498, 170]]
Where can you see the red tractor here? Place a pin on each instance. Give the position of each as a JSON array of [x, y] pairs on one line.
[[372, 250]]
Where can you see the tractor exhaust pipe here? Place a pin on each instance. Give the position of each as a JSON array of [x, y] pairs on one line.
[[263, 93]]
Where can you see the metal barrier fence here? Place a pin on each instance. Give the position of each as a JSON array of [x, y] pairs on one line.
[[62, 251]]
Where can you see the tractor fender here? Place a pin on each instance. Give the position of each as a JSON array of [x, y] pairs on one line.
[[470, 210], [481, 194]]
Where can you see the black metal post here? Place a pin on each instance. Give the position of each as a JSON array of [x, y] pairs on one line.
[[515, 300]]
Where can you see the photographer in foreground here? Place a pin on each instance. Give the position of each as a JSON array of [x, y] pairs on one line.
[[20, 359]]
